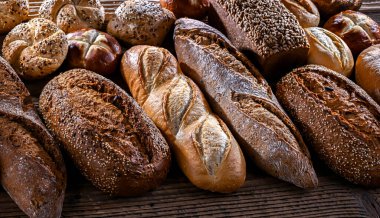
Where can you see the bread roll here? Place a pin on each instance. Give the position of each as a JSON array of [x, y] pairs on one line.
[[338, 119], [328, 8], [356, 29], [72, 15], [243, 99], [32, 170], [204, 147], [328, 50], [138, 22], [196, 9], [106, 134], [305, 11], [264, 28], [93, 50], [35, 49], [368, 71], [12, 13]]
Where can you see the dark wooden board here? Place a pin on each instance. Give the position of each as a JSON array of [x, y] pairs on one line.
[[261, 196]]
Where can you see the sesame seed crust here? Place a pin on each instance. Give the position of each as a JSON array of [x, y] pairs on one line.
[[12, 13], [106, 134], [339, 120]]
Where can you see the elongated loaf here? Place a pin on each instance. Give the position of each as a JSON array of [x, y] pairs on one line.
[[242, 98], [205, 149], [266, 29], [32, 170], [338, 119], [105, 132]]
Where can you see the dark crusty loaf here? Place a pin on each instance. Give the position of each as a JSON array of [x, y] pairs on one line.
[[105, 132], [339, 120], [32, 170], [243, 99], [205, 149], [264, 27]]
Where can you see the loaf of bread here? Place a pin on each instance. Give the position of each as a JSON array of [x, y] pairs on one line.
[[196, 9], [12, 13], [356, 29], [264, 29], [305, 11], [367, 72], [243, 99], [338, 119], [205, 149], [140, 22], [32, 170], [105, 132], [35, 49], [93, 50], [72, 15], [328, 8]]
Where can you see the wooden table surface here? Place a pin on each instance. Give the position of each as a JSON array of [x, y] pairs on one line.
[[261, 196]]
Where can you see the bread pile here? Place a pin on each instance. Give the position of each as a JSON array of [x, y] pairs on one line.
[[264, 80]]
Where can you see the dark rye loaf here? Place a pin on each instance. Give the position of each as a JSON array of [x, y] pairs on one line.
[[105, 132], [32, 170], [243, 99], [338, 119]]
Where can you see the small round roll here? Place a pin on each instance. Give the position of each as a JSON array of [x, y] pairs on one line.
[[368, 71], [12, 13], [196, 9], [305, 11]]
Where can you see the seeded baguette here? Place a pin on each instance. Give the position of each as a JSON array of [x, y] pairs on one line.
[[205, 149], [266, 29], [105, 132], [32, 170], [338, 119], [243, 99]]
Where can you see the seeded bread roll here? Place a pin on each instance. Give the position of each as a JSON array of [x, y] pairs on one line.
[[305, 11], [242, 98], [35, 49], [105, 132], [356, 29], [72, 15], [32, 170], [264, 28], [140, 22], [204, 147], [338, 119], [12, 13]]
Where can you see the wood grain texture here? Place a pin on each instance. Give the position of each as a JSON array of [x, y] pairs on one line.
[[261, 196]]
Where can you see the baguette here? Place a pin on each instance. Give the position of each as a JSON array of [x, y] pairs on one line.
[[243, 99], [205, 149], [338, 119]]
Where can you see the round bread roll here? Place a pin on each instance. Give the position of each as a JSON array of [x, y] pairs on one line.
[[36, 48], [328, 50], [328, 8], [305, 11], [93, 50], [196, 9], [356, 29], [368, 71], [139, 22], [72, 15], [12, 13]]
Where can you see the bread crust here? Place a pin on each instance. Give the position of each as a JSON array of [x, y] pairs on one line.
[[243, 99], [106, 134], [205, 149], [32, 170], [338, 119], [12, 13]]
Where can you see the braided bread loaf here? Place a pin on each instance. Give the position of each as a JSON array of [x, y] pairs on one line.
[[71, 15], [35, 49], [205, 149], [12, 12]]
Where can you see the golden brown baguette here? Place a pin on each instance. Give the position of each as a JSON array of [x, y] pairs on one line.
[[338, 119], [205, 149], [243, 99], [32, 170]]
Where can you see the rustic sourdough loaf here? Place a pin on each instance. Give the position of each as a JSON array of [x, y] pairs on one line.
[[105, 132], [243, 99], [204, 147], [338, 119], [32, 170]]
